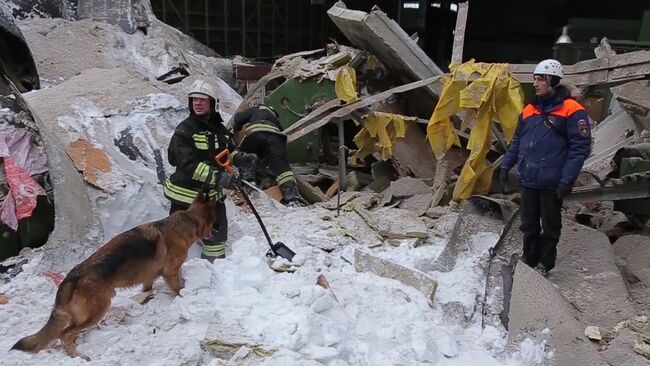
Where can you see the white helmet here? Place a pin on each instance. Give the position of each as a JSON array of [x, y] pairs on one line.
[[549, 67], [201, 89]]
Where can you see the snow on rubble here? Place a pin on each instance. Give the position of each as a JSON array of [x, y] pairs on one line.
[[372, 321], [102, 91]]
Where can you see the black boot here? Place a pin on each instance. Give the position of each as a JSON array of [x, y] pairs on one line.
[[291, 195]]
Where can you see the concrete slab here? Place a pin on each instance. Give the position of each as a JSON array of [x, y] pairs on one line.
[[376, 33], [365, 262], [537, 305], [587, 276], [633, 259], [471, 221]]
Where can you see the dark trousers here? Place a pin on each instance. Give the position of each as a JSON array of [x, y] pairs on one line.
[[269, 146], [540, 240], [220, 227]]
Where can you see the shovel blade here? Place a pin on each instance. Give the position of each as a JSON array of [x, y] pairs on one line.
[[283, 251]]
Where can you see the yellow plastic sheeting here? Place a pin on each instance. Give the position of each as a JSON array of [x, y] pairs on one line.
[[345, 85], [495, 95], [380, 131]]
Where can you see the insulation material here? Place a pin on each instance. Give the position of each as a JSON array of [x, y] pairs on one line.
[[380, 132], [90, 160], [495, 95], [345, 85]]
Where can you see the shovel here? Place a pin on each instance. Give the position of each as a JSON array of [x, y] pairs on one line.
[[224, 160]]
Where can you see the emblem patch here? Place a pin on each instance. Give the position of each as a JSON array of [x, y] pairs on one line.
[[583, 127], [550, 121]]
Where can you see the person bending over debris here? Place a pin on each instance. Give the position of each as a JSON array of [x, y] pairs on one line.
[[193, 146], [264, 138], [552, 141]]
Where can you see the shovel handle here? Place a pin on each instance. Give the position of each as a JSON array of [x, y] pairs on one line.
[[224, 160]]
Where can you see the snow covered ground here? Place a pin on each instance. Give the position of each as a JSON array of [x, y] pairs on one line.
[[375, 321]]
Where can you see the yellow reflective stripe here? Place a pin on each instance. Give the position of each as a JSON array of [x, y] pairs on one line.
[[201, 141], [187, 195], [262, 128], [285, 177], [213, 250], [201, 172]]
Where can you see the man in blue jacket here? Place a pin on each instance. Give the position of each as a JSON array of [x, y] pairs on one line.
[[552, 141]]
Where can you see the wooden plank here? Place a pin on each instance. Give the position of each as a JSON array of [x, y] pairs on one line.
[[305, 126], [459, 33], [607, 70]]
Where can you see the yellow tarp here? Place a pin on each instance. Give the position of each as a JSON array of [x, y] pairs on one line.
[[495, 95], [380, 131], [345, 85]]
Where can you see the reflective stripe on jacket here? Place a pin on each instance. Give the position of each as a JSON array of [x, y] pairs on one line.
[[191, 150]]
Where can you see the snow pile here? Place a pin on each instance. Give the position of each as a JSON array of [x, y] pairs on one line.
[[364, 320]]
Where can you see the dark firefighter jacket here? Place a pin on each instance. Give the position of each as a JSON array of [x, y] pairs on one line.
[[191, 150]]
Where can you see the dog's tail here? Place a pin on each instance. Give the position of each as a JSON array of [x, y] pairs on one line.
[[56, 324]]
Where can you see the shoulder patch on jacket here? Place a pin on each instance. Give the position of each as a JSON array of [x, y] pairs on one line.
[[569, 107], [529, 110], [583, 127]]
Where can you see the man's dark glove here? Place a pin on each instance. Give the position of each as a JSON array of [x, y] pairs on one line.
[[503, 175], [562, 191], [228, 180]]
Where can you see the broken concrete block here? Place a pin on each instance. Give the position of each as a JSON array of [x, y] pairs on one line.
[[409, 186], [357, 228], [535, 305], [365, 262], [471, 220], [586, 275], [620, 350], [593, 333], [224, 340], [275, 193], [632, 258], [418, 204], [437, 212], [615, 225], [395, 223], [357, 180], [310, 193]]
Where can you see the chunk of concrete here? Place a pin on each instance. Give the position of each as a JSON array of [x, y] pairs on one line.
[[404, 187], [536, 305], [310, 193], [418, 204], [632, 257], [620, 351], [357, 180], [365, 262], [395, 223], [376, 33], [634, 251], [472, 220], [587, 276]]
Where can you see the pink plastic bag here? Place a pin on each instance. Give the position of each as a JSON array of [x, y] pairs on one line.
[[23, 192]]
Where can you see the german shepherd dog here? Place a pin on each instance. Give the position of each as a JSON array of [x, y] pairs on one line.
[[137, 256]]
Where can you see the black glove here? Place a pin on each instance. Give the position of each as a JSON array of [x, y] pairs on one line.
[[247, 165], [503, 175], [562, 191], [227, 180]]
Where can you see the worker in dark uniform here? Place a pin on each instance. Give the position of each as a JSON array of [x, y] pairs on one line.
[[552, 141], [263, 137], [195, 143]]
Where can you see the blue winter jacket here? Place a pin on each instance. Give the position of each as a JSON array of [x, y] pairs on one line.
[[551, 142]]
